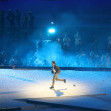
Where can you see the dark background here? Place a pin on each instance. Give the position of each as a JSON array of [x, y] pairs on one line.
[[36, 47]]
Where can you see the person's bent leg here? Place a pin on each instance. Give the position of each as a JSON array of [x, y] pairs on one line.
[[60, 79]]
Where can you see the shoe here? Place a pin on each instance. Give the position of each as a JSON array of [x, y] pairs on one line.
[[64, 80], [51, 87]]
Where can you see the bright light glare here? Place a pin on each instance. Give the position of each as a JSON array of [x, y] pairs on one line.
[[52, 30]]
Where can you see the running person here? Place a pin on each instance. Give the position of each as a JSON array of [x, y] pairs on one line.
[[56, 71]]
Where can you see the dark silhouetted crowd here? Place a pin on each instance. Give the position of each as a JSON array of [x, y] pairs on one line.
[[16, 20]]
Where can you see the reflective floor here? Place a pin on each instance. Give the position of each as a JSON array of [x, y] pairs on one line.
[[29, 90]]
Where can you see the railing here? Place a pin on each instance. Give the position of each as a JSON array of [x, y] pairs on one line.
[[62, 68]]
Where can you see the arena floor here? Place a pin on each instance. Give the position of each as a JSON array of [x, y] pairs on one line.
[[29, 90]]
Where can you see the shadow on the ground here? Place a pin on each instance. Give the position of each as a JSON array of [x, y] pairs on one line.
[[47, 105], [59, 92], [9, 92], [22, 79]]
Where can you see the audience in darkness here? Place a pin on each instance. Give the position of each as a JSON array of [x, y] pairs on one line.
[[21, 28]]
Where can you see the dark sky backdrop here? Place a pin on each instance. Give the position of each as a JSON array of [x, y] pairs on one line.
[[44, 6], [88, 11]]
